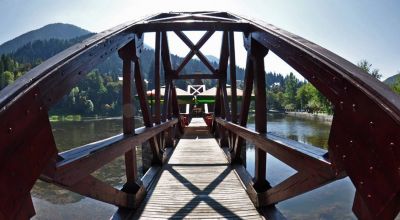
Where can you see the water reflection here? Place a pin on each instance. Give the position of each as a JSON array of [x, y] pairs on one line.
[[332, 201]]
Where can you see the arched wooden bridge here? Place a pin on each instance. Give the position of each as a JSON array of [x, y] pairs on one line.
[[190, 181]]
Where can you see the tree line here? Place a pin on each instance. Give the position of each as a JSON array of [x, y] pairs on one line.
[[100, 93]]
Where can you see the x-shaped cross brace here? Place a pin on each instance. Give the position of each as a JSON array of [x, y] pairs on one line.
[[195, 49]]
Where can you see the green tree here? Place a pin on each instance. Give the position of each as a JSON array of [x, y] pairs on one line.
[[291, 84], [396, 85], [367, 67], [6, 78]]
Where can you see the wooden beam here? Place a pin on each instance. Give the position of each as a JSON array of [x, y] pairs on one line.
[[175, 106], [223, 65], [147, 119], [199, 54], [295, 185], [165, 54], [96, 189], [258, 52], [195, 76], [232, 65], [127, 55], [27, 148], [194, 26], [157, 82], [193, 50], [166, 101]]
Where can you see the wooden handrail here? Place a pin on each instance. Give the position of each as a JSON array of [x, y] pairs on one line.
[[79, 162], [297, 155]]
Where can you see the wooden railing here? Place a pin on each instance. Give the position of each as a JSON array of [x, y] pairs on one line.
[[313, 168]]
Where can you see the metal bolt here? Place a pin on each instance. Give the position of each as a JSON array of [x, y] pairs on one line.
[[341, 105], [343, 156], [369, 195], [10, 130], [337, 146], [345, 89], [361, 182], [40, 108], [371, 168], [354, 107]]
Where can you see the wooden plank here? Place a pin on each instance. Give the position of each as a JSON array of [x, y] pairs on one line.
[[203, 184], [79, 162]]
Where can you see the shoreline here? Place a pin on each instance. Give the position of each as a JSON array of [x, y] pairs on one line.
[[317, 116]]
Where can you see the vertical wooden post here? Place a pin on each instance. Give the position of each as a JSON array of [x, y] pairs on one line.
[[222, 70], [157, 82], [232, 68], [258, 52], [157, 85], [127, 55]]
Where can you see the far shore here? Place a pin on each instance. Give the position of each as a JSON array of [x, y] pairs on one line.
[[315, 116]]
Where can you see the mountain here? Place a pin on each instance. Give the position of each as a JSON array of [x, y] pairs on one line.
[[51, 31], [212, 58], [38, 51], [391, 80]]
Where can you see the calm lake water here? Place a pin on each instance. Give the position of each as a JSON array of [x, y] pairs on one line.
[[333, 201]]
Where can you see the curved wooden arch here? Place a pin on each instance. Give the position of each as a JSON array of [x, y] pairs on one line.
[[363, 143]]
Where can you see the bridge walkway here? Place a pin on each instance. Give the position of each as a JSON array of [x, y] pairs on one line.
[[197, 182]]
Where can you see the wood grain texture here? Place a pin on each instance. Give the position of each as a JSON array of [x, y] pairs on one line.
[[197, 182]]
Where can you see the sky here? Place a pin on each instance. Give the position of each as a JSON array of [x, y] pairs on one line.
[[354, 30]]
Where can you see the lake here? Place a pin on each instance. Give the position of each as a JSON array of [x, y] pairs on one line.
[[332, 201]]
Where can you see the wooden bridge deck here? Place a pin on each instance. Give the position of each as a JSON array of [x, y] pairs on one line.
[[197, 182]]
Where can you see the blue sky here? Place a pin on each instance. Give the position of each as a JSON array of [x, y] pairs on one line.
[[354, 30]]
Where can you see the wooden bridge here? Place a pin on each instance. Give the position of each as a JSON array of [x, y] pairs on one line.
[[198, 178]]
